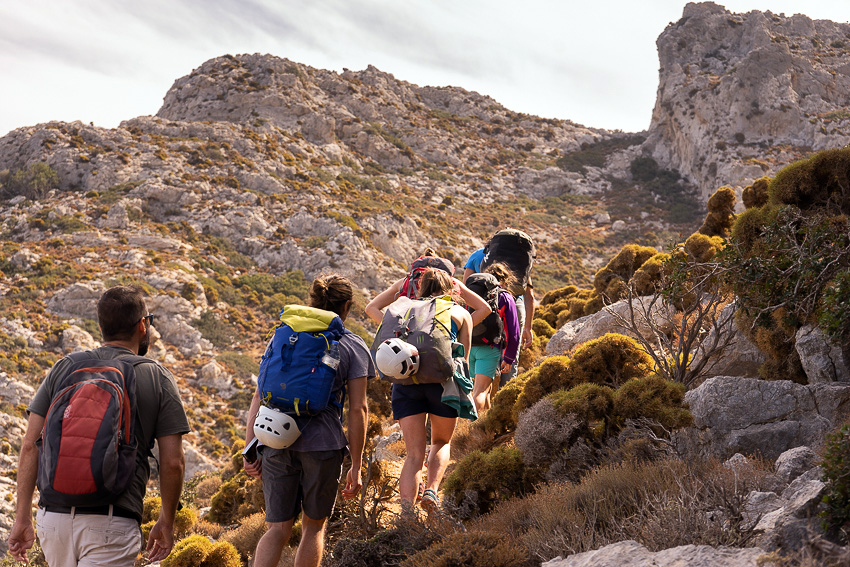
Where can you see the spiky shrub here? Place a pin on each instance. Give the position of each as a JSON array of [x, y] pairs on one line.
[[721, 213], [836, 475], [481, 480], [222, 554], [558, 294], [591, 403], [611, 359], [542, 329], [236, 498], [189, 552], [785, 255], [387, 548], [609, 281], [646, 279], [184, 520], [150, 509], [500, 419], [550, 376], [542, 432], [703, 248], [659, 400], [821, 181], [756, 195], [473, 549]]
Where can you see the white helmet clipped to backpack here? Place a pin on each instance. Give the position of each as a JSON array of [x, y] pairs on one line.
[[275, 429], [397, 358]]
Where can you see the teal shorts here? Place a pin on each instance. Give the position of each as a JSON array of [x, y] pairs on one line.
[[484, 360]]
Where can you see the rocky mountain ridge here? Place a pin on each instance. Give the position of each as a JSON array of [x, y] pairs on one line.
[[741, 95]]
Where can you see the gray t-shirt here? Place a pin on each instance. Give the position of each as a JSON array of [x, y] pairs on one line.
[[160, 413], [324, 432]]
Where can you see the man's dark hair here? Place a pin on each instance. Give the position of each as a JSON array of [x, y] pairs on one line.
[[120, 308]]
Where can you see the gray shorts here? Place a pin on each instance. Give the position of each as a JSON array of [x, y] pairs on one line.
[[296, 480]]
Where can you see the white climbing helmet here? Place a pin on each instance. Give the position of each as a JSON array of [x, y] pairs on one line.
[[397, 358], [275, 429]]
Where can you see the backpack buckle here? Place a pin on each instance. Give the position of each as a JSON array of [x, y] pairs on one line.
[[293, 339]]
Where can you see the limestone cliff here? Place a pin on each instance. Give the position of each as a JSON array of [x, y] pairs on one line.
[[741, 95]]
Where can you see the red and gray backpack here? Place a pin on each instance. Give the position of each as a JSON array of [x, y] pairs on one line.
[[490, 331], [410, 285], [87, 451]]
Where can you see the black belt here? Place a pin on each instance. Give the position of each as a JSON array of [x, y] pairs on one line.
[[94, 511]]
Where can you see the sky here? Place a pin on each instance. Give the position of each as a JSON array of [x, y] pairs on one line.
[[594, 63]]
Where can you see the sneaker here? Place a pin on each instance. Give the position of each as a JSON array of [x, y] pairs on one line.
[[430, 501]]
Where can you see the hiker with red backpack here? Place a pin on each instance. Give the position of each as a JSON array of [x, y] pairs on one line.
[[495, 341], [310, 364], [91, 427], [516, 249], [420, 346]]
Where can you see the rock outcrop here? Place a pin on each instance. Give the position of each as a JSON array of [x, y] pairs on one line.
[[741, 95], [750, 416], [632, 554]]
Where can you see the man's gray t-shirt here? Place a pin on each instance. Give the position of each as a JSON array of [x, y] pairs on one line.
[[324, 432], [159, 409]]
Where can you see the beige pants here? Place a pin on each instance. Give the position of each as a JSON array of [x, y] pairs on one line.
[[70, 540]]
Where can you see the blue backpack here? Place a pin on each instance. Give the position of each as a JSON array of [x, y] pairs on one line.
[[298, 369]]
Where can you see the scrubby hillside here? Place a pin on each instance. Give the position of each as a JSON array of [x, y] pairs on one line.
[[259, 173]]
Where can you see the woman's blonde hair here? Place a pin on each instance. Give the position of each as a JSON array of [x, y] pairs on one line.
[[429, 252], [331, 293], [434, 282]]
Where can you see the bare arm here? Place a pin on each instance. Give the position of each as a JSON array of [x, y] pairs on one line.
[[358, 414], [171, 469], [252, 469], [527, 333], [373, 309], [464, 328], [475, 302], [466, 273], [22, 536]]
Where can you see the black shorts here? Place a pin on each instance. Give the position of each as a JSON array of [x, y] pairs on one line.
[[296, 480], [420, 398]]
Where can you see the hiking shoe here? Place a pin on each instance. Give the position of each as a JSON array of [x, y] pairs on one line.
[[430, 501]]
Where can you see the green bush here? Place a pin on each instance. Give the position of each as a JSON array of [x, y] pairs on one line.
[[721, 213], [654, 398], [836, 475], [33, 182], [222, 554], [756, 195], [215, 329], [189, 552], [611, 360], [480, 480], [500, 418], [588, 402], [818, 182], [552, 375]]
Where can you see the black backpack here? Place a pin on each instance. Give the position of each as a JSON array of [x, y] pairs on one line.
[[490, 331], [514, 248], [87, 450]]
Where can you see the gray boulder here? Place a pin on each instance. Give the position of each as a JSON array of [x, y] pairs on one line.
[[794, 462], [744, 415], [14, 392], [75, 339], [213, 375], [608, 320], [77, 300], [740, 358], [822, 361], [632, 554]]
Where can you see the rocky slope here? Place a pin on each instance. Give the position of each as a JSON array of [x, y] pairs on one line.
[[741, 95], [257, 167]]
